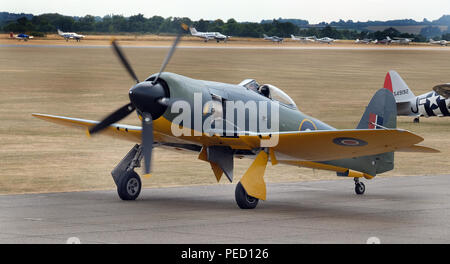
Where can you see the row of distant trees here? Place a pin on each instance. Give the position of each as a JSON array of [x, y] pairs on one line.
[[49, 23]]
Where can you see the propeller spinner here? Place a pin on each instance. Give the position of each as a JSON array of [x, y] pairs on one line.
[[149, 98]]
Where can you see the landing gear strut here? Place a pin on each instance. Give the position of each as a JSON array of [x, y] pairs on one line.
[[360, 188], [243, 200]]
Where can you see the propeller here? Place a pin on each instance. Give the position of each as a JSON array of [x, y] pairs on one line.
[[149, 98], [443, 90]]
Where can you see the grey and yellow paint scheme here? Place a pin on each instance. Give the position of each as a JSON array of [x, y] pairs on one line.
[[301, 139]]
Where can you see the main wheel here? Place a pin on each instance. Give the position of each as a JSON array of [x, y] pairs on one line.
[[360, 188], [416, 120], [243, 200], [129, 186]]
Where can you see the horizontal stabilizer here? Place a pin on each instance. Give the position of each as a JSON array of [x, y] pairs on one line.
[[421, 149]]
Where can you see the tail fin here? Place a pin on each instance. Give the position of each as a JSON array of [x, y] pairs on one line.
[[60, 32], [381, 113], [293, 37], [264, 35], [394, 83], [193, 30]]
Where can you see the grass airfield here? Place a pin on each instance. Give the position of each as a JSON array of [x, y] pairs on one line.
[[331, 84]]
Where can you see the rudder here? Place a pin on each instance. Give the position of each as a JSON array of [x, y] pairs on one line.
[[394, 83]]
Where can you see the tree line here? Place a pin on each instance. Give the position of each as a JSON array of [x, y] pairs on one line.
[[138, 24]]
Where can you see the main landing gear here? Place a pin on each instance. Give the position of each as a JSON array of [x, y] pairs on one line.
[[360, 188], [243, 200], [130, 185], [416, 120], [127, 180]]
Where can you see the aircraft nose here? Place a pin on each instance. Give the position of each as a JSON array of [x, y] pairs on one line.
[[145, 95]]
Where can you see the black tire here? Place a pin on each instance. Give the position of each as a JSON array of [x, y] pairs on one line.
[[360, 188], [416, 120], [243, 200], [129, 186]]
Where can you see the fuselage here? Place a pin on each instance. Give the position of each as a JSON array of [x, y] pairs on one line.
[[428, 104], [215, 95]]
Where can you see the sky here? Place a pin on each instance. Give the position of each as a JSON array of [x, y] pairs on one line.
[[314, 11]]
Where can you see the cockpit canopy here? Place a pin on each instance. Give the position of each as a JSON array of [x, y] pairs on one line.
[[269, 91]]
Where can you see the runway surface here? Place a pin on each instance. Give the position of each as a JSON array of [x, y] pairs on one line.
[[412, 209]]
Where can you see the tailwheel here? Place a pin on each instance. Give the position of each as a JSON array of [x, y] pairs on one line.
[[360, 188], [243, 200], [129, 186]]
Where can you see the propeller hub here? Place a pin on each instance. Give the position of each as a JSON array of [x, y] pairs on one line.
[[145, 95]]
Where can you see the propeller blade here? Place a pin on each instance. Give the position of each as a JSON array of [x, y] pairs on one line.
[[171, 52], [118, 115], [147, 140], [443, 90], [124, 61]]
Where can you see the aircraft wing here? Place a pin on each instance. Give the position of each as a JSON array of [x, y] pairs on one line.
[[298, 145], [126, 132], [340, 144]]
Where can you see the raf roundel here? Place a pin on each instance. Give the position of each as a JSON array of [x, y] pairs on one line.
[[349, 142]]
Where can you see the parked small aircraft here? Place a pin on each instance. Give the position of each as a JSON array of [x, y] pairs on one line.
[[273, 38], [70, 35], [209, 35], [403, 41], [436, 103], [21, 36], [303, 39], [386, 41], [439, 42], [326, 40], [363, 41], [218, 136]]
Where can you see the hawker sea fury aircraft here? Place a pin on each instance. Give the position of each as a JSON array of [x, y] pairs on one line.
[[70, 35], [436, 103], [220, 122], [21, 36], [273, 38], [209, 35]]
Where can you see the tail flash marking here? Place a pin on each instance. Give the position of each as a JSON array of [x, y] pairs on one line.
[[375, 120], [388, 82]]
